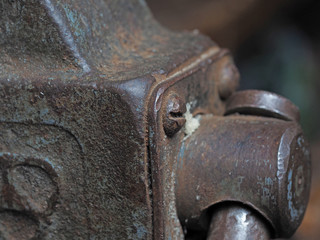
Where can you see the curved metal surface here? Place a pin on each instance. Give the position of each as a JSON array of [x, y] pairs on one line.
[[100, 72], [261, 162], [262, 103], [235, 222]]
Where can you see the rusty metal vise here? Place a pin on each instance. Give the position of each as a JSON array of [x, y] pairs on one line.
[[113, 127]]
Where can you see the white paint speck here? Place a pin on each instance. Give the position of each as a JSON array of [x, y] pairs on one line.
[[192, 123]]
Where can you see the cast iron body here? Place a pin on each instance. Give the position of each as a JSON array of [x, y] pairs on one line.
[[97, 104]]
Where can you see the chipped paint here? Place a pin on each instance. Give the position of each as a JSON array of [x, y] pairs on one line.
[[192, 123]]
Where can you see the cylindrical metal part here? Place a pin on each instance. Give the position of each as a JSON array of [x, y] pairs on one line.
[[257, 161], [262, 103], [235, 222]]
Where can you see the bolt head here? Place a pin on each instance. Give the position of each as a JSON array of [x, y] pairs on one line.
[[173, 117]]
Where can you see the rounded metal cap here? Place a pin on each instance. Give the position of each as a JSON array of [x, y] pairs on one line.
[[262, 103]]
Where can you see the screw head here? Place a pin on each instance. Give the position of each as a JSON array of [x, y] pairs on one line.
[[173, 116]]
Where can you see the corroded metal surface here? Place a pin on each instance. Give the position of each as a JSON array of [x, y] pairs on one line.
[[237, 222], [261, 162], [173, 120], [75, 80], [262, 103], [199, 90], [102, 110]]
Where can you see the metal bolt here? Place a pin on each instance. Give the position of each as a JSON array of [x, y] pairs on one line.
[[173, 119]]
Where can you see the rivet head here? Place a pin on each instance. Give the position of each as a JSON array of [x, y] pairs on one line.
[[173, 116]]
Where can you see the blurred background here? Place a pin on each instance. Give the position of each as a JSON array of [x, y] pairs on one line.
[[276, 46]]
